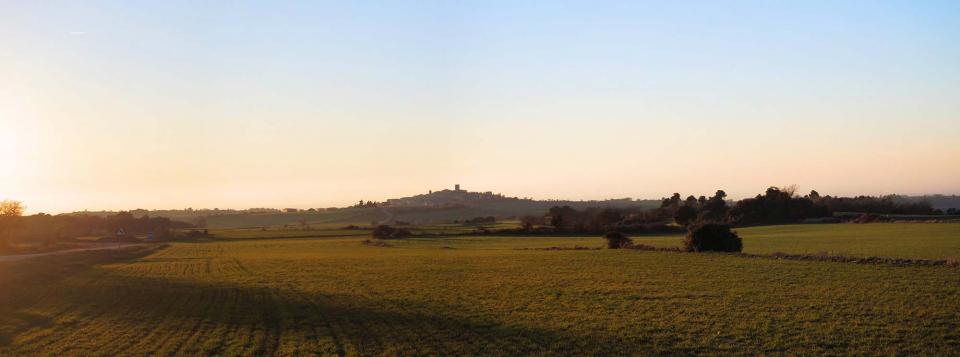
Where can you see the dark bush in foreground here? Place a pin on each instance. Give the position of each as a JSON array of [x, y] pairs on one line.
[[712, 237], [388, 232], [617, 240]]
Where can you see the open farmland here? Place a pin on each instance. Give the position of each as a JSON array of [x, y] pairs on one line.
[[470, 296], [894, 240], [334, 217]]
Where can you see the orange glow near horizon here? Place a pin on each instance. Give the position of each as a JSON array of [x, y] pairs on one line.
[[121, 106]]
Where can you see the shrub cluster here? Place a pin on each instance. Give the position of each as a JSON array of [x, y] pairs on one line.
[[617, 240], [712, 237]]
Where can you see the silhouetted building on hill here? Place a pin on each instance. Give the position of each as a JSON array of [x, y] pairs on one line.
[[448, 198]]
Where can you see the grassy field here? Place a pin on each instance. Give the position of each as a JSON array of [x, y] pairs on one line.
[[326, 218], [338, 230], [366, 215], [897, 240], [274, 233], [470, 296]]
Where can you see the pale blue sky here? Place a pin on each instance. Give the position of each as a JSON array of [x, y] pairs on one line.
[[116, 104]]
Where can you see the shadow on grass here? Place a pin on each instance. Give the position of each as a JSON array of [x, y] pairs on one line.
[[183, 309], [22, 282]]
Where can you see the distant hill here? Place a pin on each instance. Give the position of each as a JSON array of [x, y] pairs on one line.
[[941, 202], [431, 207], [457, 204]]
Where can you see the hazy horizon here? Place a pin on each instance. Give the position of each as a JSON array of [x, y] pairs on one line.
[[800, 192], [107, 105]]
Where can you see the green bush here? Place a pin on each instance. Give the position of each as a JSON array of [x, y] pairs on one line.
[[617, 240], [712, 237]]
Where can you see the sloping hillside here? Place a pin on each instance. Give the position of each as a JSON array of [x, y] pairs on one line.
[[432, 207]]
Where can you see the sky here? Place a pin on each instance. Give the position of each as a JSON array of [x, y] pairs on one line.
[[175, 104]]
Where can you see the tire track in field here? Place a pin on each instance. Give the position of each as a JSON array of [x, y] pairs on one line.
[[439, 326], [253, 326], [61, 312], [401, 330], [267, 306], [337, 340], [229, 312], [300, 337], [362, 340], [185, 324], [273, 309], [431, 329], [141, 291], [136, 333], [244, 326], [273, 322], [274, 314], [93, 317], [197, 329], [161, 317], [174, 340], [407, 326], [117, 317], [229, 321], [242, 267], [72, 313], [249, 324], [167, 322]]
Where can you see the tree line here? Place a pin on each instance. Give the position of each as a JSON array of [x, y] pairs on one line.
[[775, 206], [45, 228]]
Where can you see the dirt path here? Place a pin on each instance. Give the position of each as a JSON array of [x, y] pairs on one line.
[[93, 246]]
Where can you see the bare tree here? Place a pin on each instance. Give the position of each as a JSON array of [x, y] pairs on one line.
[[10, 212], [10, 208]]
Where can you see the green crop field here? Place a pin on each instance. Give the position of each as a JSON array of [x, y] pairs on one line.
[[896, 240], [478, 296], [275, 233]]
